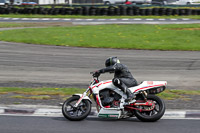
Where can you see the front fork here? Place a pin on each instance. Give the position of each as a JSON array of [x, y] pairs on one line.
[[82, 96]]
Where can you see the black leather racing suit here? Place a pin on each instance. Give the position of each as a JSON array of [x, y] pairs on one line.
[[123, 78]]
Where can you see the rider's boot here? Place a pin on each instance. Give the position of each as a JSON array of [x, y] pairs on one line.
[[130, 96]]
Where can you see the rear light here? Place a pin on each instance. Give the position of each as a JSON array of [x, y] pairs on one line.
[[156, 90]]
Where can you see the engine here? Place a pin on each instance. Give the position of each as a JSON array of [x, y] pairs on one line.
[[109, 98]]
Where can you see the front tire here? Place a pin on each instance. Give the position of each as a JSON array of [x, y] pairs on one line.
[[76, 114], [155, 114]]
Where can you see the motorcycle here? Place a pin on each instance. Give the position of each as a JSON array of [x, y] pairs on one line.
[[110, 101]]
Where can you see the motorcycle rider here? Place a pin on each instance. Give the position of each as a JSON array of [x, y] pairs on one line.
[[123, 78]]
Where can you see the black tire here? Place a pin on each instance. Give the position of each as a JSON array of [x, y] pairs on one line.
[[154, 115], [84, 109]]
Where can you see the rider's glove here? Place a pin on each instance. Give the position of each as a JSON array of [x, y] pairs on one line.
[[96, 74]]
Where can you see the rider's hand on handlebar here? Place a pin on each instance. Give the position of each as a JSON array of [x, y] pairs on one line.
[[96, 74]]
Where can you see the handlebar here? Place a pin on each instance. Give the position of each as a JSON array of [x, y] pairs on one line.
[[94, 74]]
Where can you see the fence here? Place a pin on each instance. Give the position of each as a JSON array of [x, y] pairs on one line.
[[110, 11]]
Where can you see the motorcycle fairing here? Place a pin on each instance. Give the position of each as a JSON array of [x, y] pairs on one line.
[[110, 113], [108, 85], [146, 85], [102, 85]]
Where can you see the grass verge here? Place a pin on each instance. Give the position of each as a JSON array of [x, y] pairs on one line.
[[151, 37], [9, 25], [32, 97], [178, 94], [41, 91], [36, 24], [46, 93]]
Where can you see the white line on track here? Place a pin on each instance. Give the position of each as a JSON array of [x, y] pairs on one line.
[[15, 18], [138, 19], [25, 19], [185, 19], [89, 19], [6, 18], [162, 19], [125, 19], [90, 116], [55, 19], [173, 19], [67, 19], [149, 19], [45, 19], [35, 19], [78, 19], [101, 19]]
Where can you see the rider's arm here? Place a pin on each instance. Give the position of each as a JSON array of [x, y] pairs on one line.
[[107, 69], [111, 69], [116, 67]]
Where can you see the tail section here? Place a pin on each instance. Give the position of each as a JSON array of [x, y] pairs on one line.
[[152, 87]]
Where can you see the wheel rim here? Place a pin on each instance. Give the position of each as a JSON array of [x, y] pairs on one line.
[[75, 111], [153, 112]]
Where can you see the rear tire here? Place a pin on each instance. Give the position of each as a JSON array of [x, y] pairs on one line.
[[154, 115], [76, 114]]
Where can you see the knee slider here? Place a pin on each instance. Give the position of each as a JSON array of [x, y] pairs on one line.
[[116, 82]]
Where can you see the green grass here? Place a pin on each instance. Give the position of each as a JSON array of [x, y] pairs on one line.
[[32, 97], [178, 94], [46, 93], [91, 17], [10, 25], [5, 25], [185, 92], [152, 37], [41, 91], [169, 96]]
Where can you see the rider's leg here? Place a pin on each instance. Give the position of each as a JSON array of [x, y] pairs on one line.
[[130, 95], [117, 82]]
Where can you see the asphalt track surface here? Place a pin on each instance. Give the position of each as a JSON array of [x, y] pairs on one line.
[[40, 65], [104, 21], [16, 124]]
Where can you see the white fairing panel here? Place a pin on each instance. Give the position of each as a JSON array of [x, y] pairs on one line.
[[102, 85], [148, 85], [145, 85]]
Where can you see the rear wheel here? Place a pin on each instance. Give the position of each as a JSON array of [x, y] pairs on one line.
[[153, 115], [76, 113]]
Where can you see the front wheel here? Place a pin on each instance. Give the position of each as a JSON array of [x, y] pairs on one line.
[[153, 115], [76, 113]]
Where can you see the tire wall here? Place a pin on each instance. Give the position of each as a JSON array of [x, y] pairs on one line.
[[96, 11]]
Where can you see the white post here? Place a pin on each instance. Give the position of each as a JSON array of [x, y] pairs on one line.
[[70, 2]]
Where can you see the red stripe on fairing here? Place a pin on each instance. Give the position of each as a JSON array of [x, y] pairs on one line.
[[98, 100], [99, 85], [107, 82], [104, 83], [149, 87]]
